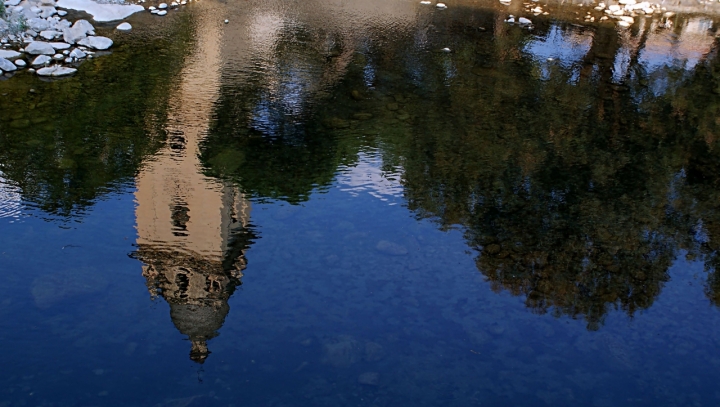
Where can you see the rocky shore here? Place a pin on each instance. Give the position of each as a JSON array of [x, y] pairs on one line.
[[37, 35]]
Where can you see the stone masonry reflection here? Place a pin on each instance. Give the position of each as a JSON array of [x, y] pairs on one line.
[[192, 229]]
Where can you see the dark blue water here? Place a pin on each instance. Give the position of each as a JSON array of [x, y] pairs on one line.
[[314, 205]]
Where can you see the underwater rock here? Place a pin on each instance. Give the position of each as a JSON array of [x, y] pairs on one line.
[[369, 378], [390, 248], [374, 352], [341, 351], [51, 289]]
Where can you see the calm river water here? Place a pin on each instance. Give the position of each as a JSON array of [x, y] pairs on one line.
[[317, 205]]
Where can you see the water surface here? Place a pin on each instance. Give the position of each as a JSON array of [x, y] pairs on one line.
[[316, 205]]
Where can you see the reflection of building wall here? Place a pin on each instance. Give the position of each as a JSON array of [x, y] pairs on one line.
[[192, 229]]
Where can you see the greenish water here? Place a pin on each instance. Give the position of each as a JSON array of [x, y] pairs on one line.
[[316, 205]]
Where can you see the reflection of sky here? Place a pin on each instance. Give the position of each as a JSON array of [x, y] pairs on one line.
[[665, 48], [10, 199], [368, 176], [566, 47]]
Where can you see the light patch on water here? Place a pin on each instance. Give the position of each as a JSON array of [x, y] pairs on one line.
[[368, 176], [565, 47], [10, 199]]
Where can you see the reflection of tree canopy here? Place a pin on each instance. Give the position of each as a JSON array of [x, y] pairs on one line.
[[264, 136], [578, 188], [73, 139]]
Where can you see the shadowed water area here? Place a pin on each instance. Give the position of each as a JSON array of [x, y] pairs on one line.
[[317, 205]]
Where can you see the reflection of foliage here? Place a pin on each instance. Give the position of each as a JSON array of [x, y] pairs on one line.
[[269, 141], [63, 155], [577, 191]]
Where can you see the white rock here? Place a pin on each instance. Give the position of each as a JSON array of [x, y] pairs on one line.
[[227, 21], [524, 21], [62, 13], [21, 63], [98, 42], [68, 60], [441, 5], [50, 34], [425, 2], [102, 12], [510, 20], [669, 14], [36, 10], [31, 70], [162, 6], [58, 57], [161, 12], [124, 27], [627, 19], [183, 2], [151, 8], [445, 49], [627, 2], [38, 24], [60, 45], [622, 23], [56, 71], [40, 47], [174, 4], [12, 3], [614, 7], [66, 52], [47, 11], [41, 60], [618, 13], [77, 54], [6, 65], [154, 11], [9, 54]]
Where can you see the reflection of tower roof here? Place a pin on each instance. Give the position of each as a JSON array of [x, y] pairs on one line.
[[199, 323]]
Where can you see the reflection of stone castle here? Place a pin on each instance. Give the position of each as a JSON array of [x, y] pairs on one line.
[[192, 229]]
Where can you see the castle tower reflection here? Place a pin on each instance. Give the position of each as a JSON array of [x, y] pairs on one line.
[[192, 229]]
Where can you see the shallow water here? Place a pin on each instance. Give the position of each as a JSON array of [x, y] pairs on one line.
[[316, 205]]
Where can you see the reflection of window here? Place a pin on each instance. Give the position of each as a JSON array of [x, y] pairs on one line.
[[180, 217], [182, 282]]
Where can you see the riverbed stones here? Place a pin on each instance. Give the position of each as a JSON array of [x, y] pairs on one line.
[[39, 48], [58, 57], [41, 60], [77, 53], [96, 42], [20, 63], [60, 45], [161, 12], [7, 66], [9, 54], [162, 6], [56, 71], [124, 27], [50, 34]]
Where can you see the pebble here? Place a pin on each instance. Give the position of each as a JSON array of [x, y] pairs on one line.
[[161, 12], [58, 57], [425, 2], [124, 27], [227, 21], [441, 6], [21, 63], [162, 6]]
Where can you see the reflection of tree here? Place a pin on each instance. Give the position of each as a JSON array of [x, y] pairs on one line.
[[265, 140], [577, 188], [72, 140]]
